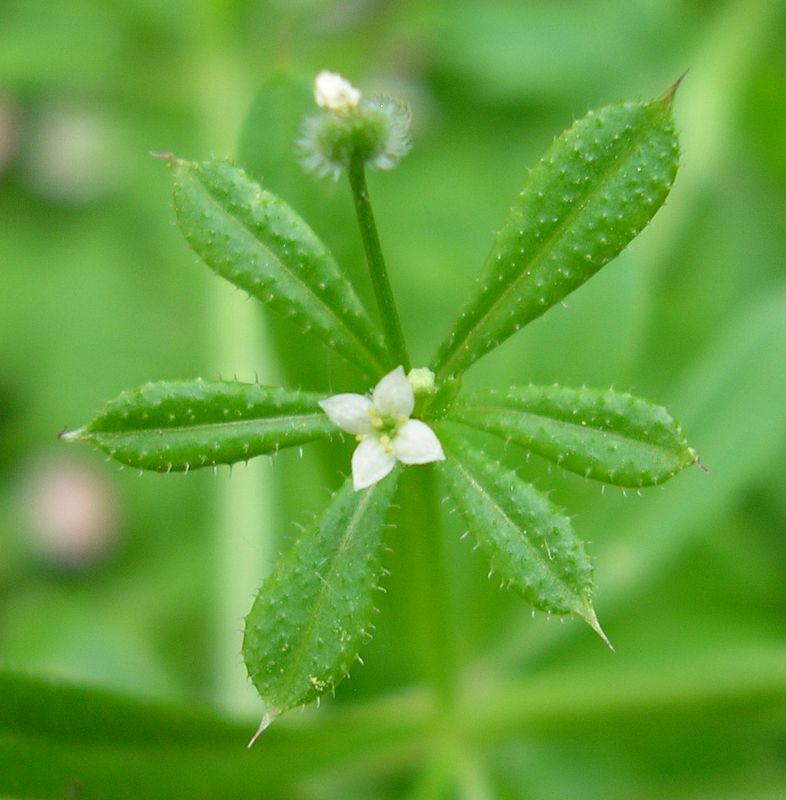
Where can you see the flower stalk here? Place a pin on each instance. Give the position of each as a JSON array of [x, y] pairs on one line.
[[391, 325]]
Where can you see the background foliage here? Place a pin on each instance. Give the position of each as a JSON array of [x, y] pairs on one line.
[[144, 596]]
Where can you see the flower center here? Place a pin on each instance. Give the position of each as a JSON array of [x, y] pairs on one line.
[[385, 428]]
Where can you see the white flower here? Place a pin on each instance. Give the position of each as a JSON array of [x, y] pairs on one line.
[[383, 428], [335, 93]]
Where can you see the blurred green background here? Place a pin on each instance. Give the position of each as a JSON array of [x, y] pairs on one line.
[[139, 585]]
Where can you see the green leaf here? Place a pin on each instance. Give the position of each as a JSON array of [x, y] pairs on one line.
[[597, 186], [733, 401], [63, 741], [190, 424], [256, 241], [603, 435], [314, 611], [530, 545]]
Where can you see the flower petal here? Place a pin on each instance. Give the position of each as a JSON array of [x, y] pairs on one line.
[[349, 411], [392, 396], [335, 93], [416, 443], [370, 463]]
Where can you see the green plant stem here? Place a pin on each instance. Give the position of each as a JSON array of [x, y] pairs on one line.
[[391, 325], [430, 611]]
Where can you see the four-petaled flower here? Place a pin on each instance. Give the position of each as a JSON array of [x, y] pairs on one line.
[[335, 93], [383, 428]]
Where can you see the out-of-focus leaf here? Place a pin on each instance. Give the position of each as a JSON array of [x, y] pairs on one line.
[[704, 677], [267, 146], [733, 406], [59, 741], [44, 708], [511, 52]]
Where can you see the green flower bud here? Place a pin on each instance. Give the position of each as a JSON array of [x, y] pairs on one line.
[[421, 379]]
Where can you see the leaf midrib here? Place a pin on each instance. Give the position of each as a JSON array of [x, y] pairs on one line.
[[205, 426]]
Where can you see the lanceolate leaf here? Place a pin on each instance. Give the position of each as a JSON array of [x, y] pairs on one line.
[[530, 545], [313, 613], [190, 424], [597, 186], [604, 435], [255, 240]]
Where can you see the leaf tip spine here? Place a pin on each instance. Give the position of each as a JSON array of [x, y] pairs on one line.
[[592, 620], [71, 436], [667, 97], [268, 717], [696, 461], [170, 158]]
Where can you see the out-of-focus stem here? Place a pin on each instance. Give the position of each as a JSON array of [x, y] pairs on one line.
[[431, 614], [245, 504], [238, 345]]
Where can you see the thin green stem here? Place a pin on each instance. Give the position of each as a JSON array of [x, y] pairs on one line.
[[391, 326]]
